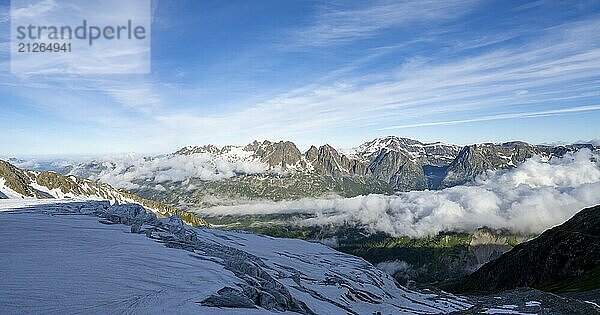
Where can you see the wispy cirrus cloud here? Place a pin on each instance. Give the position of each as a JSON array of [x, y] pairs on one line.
[[501, 116], [560, 66], [82, 82], [4, 14], [337, 23], [349, 71], [34, 10]]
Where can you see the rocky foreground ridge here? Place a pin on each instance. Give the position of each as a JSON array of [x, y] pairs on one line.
[[562, 259], [16, 183]]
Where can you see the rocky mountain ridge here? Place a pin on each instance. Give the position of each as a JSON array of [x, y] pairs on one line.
[[473, 160], [564, 258], [205, 176], [22, 184], [404, 164]]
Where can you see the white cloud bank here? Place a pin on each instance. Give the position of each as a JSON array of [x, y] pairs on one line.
[[126, 170], [528, 199]]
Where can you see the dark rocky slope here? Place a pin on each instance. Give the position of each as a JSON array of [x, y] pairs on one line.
[[564, 258]]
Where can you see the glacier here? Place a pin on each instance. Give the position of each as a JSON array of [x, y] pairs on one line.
[[76, 256]]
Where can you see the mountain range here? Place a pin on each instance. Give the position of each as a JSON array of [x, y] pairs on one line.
[[403, 164], [194, 176]]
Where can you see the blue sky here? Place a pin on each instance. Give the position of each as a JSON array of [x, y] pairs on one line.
[[315, 72]]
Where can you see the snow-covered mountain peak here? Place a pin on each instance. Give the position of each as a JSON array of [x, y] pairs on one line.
[[436, 153]]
